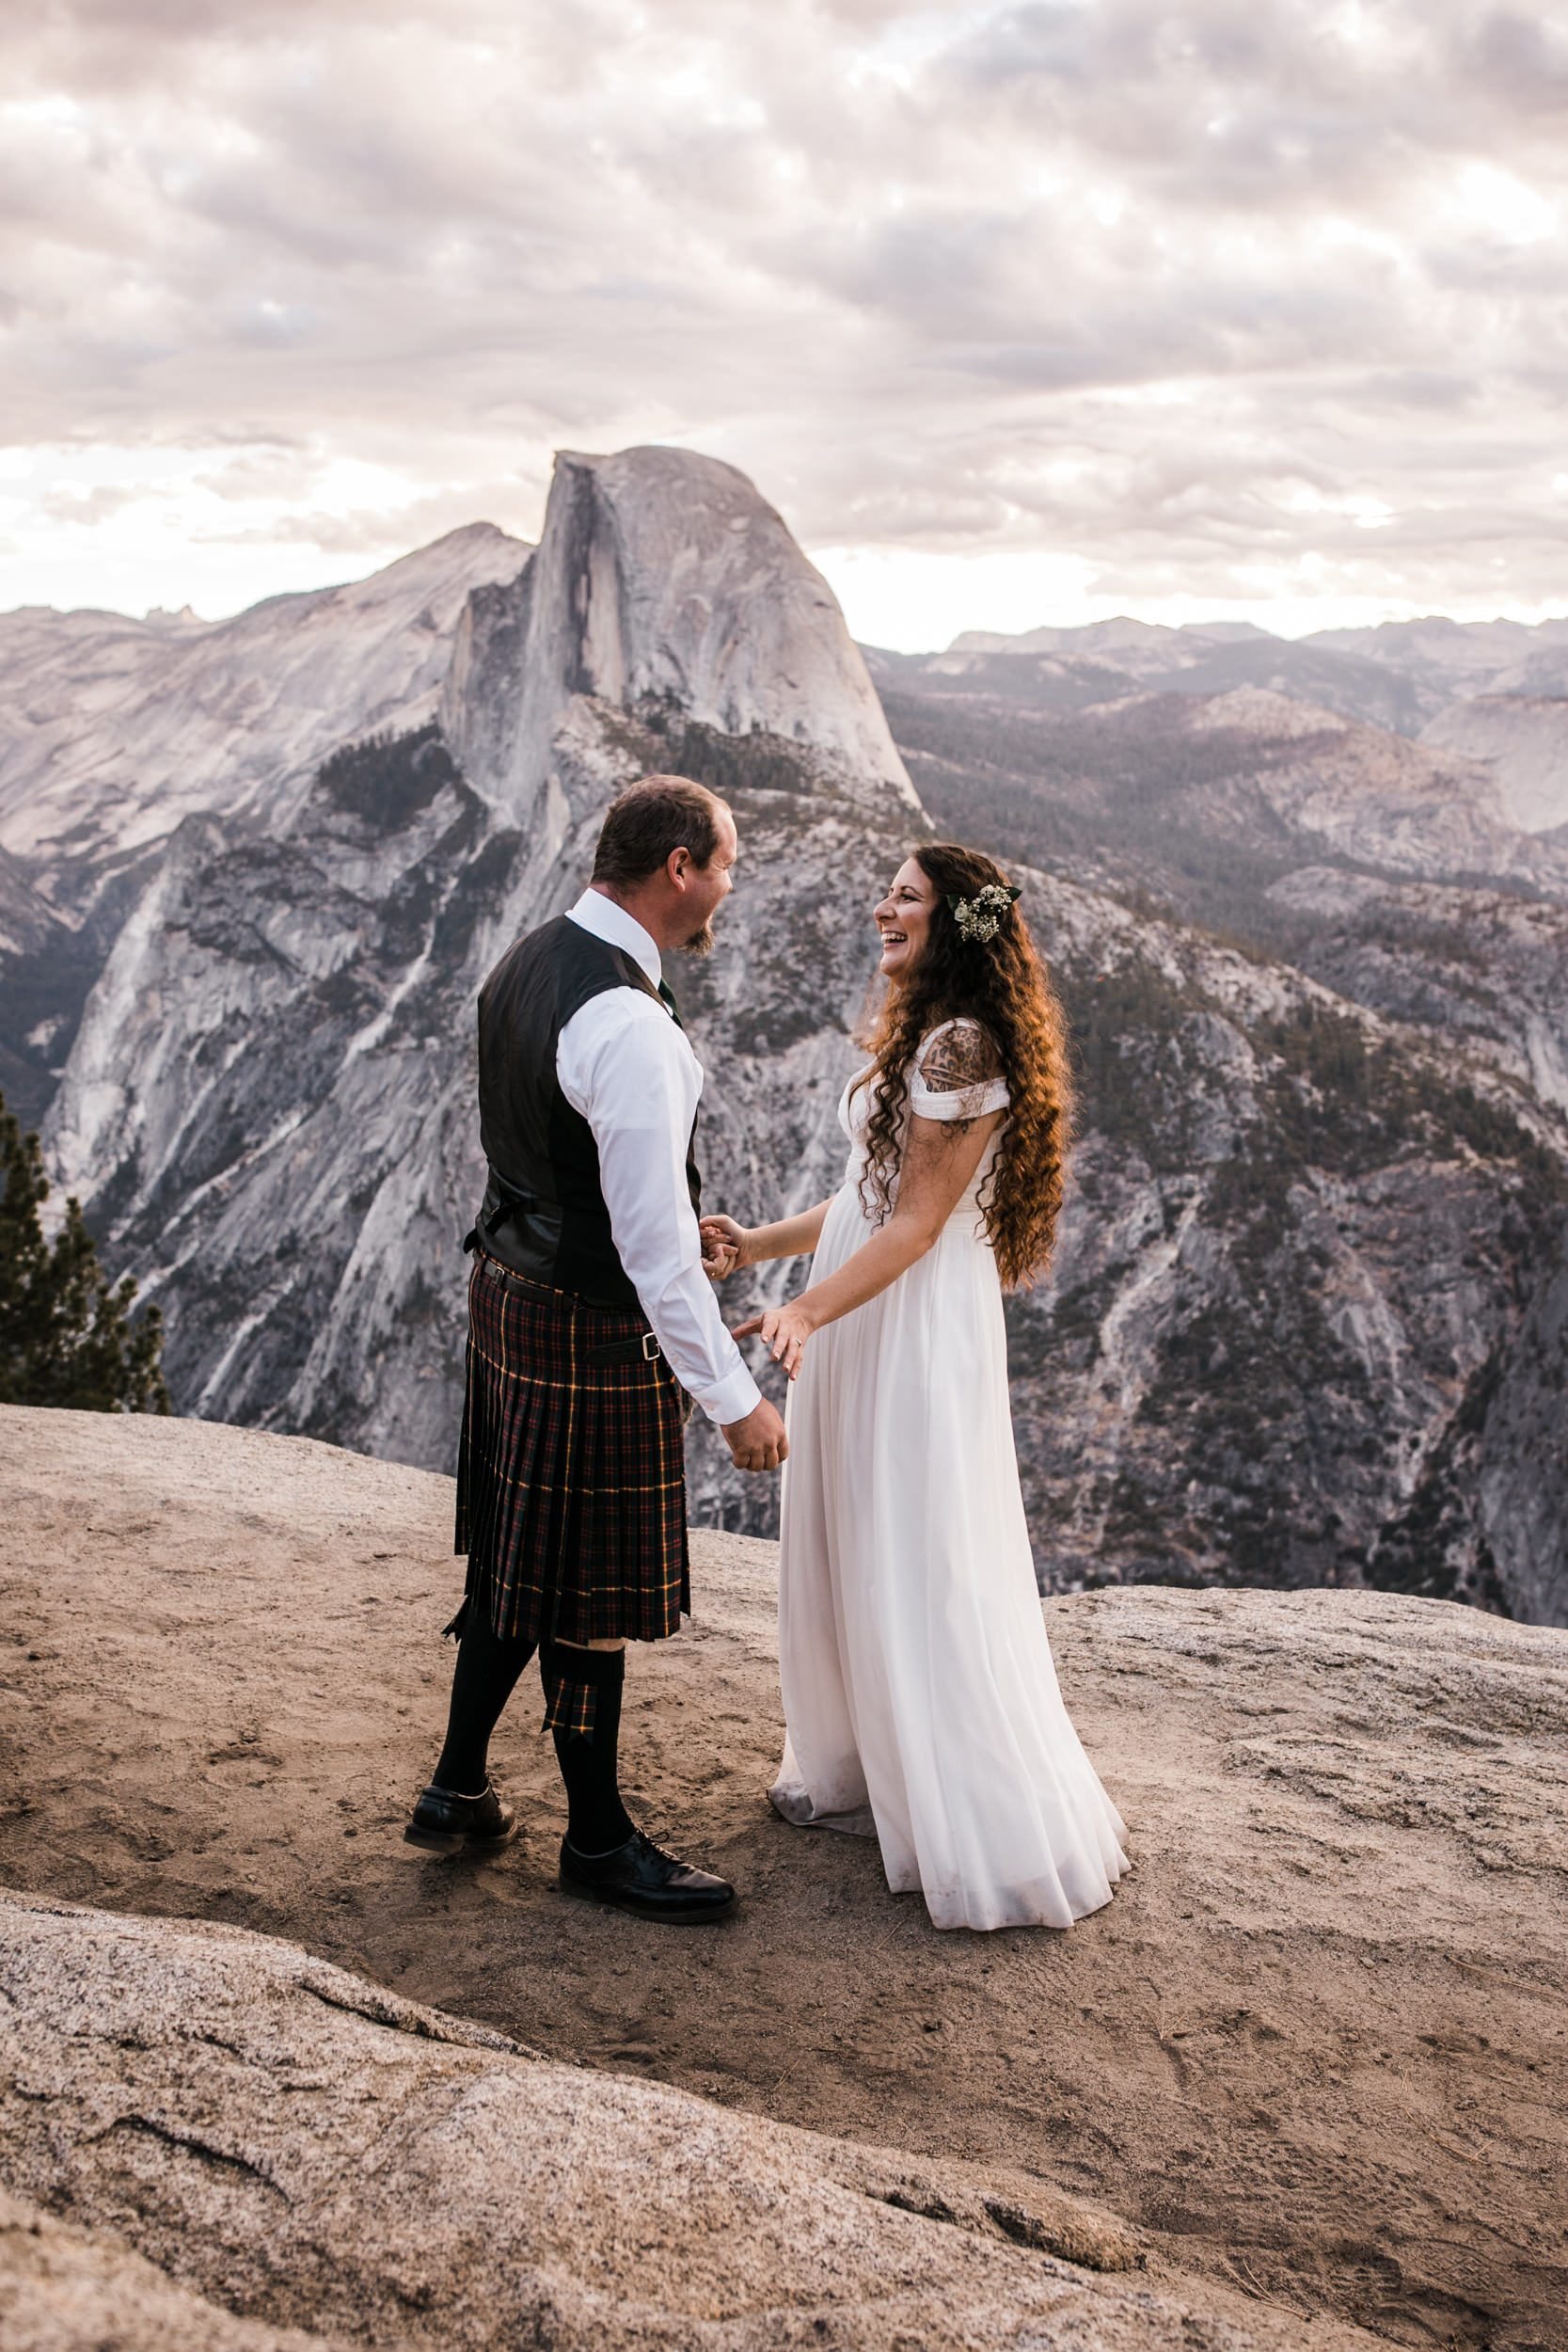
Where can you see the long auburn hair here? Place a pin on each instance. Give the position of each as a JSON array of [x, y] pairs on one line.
[[1002, 984]]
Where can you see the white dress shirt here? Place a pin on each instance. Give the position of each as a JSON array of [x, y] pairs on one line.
[[629, 1070]]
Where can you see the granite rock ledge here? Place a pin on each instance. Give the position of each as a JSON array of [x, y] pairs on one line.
[[312, 2156]]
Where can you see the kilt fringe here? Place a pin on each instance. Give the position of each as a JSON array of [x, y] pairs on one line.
[[571, 1477]]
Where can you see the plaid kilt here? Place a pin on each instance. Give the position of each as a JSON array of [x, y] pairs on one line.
[[571, 1477]]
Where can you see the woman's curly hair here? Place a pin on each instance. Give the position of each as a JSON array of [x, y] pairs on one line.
[[1002, 984]]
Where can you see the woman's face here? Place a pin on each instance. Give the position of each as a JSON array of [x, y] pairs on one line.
[[904, 921]]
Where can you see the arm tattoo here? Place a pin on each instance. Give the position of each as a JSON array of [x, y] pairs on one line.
[[959, 1058]]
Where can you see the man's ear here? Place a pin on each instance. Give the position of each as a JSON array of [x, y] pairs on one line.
[[675, 865]]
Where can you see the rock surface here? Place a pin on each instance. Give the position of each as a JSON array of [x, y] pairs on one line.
[[297, 2144], [116, 729], [1312, 2053], [662, 582], [1522, 738], [68, 2289]]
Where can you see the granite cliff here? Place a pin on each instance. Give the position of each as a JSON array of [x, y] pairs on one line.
[[1306, 1324], [114, 730]]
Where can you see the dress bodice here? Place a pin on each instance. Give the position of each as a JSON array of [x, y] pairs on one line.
[[975, 1099]]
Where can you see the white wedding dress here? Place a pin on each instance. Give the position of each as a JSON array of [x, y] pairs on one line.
[[920, 1696]]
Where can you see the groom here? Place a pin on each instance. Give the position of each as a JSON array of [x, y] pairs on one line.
[[589, 1315]]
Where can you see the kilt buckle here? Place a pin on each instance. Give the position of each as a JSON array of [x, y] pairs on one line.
[[644, 1348]]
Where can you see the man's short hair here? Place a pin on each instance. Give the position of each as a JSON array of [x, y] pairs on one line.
[[649, 819]]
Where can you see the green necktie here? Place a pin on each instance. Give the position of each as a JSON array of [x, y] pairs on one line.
[[668, 996]]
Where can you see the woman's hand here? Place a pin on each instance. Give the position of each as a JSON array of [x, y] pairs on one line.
[[723, 1246], [785, 1330]]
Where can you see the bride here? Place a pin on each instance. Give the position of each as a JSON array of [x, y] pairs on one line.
[[920, 1696]]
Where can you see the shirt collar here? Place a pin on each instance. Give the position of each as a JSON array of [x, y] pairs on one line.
[[594, 913]]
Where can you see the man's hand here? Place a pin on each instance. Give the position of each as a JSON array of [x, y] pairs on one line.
[[758, 1442]]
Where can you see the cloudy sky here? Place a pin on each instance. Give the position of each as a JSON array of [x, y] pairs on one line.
[[1019, 314]]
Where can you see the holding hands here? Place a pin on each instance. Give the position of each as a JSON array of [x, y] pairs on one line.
[[785, 1329], [758, 1442], [726, 1245], [723, 1246]]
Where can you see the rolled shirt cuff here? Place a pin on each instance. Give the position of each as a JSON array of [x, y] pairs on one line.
[[737, 1395]]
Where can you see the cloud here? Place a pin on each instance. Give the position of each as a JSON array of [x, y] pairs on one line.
[[1107, 283]]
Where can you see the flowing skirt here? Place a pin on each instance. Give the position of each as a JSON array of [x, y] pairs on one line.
[[919, 1689]]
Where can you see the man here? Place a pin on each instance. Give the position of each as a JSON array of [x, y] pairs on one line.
[[589, 1311]]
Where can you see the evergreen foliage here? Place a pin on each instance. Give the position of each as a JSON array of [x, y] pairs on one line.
[[386, 779], [727, 764], [66, 1335]]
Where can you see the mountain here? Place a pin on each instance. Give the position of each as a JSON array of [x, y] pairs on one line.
[[1204, 800], [1401, 675], [116, 729], [1114, 660], [1306, 1320], [1431, 657], [665, 585], [113, 731], [1455, 659]]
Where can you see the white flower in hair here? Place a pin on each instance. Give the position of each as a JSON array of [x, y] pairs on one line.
[[980, 917]]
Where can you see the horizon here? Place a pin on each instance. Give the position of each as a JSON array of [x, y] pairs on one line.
[[1177, 619]]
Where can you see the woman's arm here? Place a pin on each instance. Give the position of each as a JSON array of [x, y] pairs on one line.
[[938, 1163], [791, 1237]]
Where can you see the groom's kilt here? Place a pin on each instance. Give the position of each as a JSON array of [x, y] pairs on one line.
[[571, 1482]]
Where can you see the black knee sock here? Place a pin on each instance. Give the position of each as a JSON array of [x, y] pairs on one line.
[[596, 1819], [483, 1682]]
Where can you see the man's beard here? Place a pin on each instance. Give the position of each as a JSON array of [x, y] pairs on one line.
[[700, 943]]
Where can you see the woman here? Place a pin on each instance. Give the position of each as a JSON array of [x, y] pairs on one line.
[[919, 1692]]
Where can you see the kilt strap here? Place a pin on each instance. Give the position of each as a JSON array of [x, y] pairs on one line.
[[645, 1349]]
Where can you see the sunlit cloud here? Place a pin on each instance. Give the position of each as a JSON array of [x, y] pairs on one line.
[[1260, 312]]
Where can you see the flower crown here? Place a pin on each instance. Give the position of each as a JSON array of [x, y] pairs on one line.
[[980, 917]]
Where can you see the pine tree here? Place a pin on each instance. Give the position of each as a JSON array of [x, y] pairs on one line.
[[66, 1337]]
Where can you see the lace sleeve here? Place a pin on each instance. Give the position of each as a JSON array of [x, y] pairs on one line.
[[957, 1073]]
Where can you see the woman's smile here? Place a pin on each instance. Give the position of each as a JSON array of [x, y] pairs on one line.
[[904, 919]]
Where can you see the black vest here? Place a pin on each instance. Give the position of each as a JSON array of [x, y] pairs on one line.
[[544, 1212]]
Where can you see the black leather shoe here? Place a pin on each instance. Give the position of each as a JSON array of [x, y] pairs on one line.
[[638, 1877], [445, 1823]]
